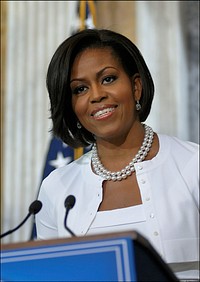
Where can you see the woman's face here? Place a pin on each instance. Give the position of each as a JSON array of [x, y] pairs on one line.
[[103, 95]]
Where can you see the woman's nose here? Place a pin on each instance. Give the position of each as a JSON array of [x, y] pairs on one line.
[[97, 95]]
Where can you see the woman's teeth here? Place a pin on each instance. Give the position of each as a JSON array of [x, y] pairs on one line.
[[103, 112]]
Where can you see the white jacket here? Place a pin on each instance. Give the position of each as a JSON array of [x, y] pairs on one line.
[[169, 187]]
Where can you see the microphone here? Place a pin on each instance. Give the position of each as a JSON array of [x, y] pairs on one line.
[[34, 208], [69, 204]]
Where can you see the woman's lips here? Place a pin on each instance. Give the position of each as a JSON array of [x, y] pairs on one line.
[[103, 112]]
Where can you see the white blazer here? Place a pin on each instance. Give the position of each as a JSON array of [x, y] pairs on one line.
[[169, 187]]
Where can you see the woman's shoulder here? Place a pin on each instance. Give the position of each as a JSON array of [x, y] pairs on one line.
[[176, 143], [173, 150]]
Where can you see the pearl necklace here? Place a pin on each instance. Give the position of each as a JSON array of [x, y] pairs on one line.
[[129, 169]]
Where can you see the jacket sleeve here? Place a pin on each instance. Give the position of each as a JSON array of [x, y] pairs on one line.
[[45, 219]]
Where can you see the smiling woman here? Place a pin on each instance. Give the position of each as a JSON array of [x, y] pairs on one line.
[[132, 62], [101, 93]]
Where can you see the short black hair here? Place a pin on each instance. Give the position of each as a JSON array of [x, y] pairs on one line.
[[58, 80]]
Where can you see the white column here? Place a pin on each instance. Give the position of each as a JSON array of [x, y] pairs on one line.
[[161, 41]]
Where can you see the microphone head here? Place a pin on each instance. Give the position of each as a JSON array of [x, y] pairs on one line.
[[35, 207], [70, 201]]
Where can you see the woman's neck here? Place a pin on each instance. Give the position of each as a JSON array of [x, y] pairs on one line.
[[122, 145]]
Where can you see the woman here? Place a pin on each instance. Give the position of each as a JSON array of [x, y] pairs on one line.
[[101, 93]]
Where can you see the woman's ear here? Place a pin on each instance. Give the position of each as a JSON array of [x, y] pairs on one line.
[[137, 86]]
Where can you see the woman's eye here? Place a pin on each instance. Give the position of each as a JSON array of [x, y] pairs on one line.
[[79, 90], [109, 79]]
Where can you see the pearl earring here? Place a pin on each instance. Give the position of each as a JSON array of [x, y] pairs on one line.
[[138, 106], [78, 125]]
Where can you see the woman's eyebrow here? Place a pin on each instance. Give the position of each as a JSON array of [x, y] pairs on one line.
[[98, 74]]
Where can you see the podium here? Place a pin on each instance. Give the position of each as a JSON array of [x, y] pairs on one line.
[[126, 256]]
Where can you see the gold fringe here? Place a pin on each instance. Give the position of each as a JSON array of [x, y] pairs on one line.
[[91, 5], [92, 9], [78, 152], [82, 14]]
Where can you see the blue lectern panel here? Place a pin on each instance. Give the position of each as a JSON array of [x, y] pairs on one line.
[[103, 260]]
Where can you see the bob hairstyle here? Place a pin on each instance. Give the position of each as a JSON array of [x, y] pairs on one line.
[[58, 80]]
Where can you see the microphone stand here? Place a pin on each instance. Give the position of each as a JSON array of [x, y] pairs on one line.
[[12, 230], [65, 223]]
